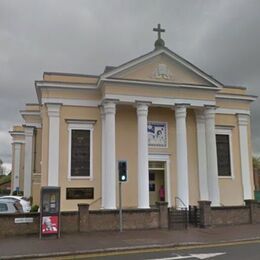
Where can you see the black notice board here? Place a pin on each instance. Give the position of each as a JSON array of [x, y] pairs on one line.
[[79, 193]]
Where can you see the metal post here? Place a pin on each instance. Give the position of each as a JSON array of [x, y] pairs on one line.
[[120, 207]]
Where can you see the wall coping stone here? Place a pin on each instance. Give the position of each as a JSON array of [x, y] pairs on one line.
[[229, 207], [116, 211]]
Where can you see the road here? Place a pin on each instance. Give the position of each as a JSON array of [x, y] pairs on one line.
[[246, 250]]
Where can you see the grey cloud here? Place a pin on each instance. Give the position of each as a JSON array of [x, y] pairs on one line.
[[219, 36]]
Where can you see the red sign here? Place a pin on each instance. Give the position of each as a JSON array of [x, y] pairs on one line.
[[50, 225]]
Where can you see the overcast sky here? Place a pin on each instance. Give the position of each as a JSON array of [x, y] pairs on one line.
[[222, 37]]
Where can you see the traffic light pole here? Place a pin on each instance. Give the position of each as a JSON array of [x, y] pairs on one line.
[[120, 207]]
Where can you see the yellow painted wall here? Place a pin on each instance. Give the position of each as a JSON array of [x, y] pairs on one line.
[[79, 113], [126, 149], [234, 104], [231, 188], [71, 93], [161, 92], [146, 70], [70, 78]]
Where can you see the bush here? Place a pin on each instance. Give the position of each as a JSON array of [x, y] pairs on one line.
[[17, 193], [34, 208], [4, 192]]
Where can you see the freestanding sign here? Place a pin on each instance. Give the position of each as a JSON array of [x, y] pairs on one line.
[[50, 211]]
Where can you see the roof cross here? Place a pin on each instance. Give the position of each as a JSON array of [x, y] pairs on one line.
[[159, 30]]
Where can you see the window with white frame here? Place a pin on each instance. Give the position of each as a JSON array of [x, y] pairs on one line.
[[80, 150], [224, 152]]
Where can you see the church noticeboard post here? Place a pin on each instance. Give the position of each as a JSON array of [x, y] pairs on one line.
[[50, 211]]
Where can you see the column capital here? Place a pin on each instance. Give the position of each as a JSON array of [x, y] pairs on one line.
[[109, 107], [200, 116], [17, 145], [53, 109], [102, 114], [210, 112], [28, 130], [142, 108], [243, 119], [180, 110]]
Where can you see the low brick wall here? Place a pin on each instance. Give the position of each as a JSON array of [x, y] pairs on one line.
[[236, 215], [132, 219], [85, 220], [69, 221], [257, 213], [230, 215], [8, 227]]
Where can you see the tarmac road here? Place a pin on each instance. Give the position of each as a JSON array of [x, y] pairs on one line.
[[246, 250]]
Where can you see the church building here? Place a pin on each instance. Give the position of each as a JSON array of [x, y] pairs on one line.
[[183, 135]]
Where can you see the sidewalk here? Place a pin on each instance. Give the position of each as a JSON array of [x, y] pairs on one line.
[[31, 246]]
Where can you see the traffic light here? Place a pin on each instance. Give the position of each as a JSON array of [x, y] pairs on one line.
[[122, 171]]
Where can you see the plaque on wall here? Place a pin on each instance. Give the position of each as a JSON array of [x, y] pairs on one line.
[[79, 193], [157, 134]]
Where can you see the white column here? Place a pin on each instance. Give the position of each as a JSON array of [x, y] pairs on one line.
[[244, 156], [211, 149], [202, 156], [181, 157], [28, 160], [16, 168], [142, 153], [109, 156], [54, 144], [102, 115]]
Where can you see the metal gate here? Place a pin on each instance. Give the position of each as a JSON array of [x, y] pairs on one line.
[[194, 216], [178, 218]]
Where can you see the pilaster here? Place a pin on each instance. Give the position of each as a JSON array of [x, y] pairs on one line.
[[53, 111], [211, 150], [102, 116], [202, 156], [243, 121], [28, 160]]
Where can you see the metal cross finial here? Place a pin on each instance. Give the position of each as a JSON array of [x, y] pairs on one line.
[[159, 30]]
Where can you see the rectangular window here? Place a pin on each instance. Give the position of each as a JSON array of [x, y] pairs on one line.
[[80, 151], [223, 155]]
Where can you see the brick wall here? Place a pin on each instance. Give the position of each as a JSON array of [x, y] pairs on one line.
[[230, 215], [213, 216], [132, 219], [85, 220], [69, 221], [8, 227]]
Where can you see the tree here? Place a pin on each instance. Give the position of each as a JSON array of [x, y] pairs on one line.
[[256, 169], [256, 162], [1, 167]]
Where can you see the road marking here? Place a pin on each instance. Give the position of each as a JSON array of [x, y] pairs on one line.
[[198, 256]]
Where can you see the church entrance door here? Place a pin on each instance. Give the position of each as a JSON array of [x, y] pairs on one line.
[[156, 182]]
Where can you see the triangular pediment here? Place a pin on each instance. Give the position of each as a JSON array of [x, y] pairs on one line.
[[162, 66]]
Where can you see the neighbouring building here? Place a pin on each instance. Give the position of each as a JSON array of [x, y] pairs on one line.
[[178, 128]]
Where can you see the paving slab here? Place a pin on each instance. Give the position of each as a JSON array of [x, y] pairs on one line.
[[76, 243]]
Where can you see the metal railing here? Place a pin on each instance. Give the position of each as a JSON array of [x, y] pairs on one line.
[[181, 201], [93, 202]]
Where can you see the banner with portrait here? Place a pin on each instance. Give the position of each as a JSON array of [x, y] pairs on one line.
[[157, 134]]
